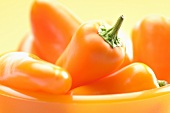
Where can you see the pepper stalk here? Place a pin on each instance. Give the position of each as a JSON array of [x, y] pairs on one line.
[[110, 34]]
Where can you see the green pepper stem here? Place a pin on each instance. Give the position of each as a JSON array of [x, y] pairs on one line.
[[162, 83], [110, 34]]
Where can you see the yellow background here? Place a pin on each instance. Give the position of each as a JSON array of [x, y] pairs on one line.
[[15, 22]]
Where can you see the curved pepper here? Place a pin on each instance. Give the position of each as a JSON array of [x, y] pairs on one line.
[[151, 39], [53, 26], [94, 51], [131, 78], [129, 49], [27, 44], [21, 70]]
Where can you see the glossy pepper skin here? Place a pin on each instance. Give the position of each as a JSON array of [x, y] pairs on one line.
[[91, 54], [129, 49], [151, 39], [27, 44], [53, 26], [25, 71], [131, 78]]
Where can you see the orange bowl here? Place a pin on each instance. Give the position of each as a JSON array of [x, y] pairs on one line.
[[148, 101]]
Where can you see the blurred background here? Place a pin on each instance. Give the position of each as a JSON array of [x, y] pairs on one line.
[[15, 20]]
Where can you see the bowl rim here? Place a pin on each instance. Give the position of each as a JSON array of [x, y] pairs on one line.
[[6, 92]]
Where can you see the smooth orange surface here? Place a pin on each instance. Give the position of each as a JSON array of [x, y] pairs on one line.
[[15, 23], [26, 71], [149, 101], [132, 78], [27, 44], [151, 39], [15, 15], [88, 57], [52, 26]]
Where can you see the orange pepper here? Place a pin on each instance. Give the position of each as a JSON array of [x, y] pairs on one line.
[[94, 51], [151, 39], [27, 44], [131, 78], [21, 70], [129, 49], [52, 26]]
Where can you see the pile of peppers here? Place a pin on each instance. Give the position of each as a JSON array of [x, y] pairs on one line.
[[64, 55]]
